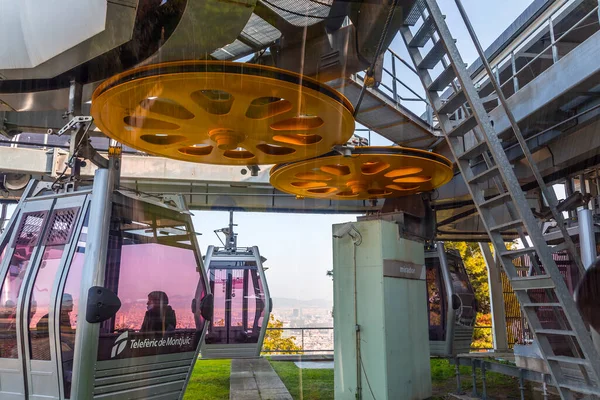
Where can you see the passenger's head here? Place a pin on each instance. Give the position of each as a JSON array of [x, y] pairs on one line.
[[157, 299], [67, 303], [10, 306]]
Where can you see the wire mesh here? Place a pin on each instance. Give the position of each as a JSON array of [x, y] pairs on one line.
[[61, 226], [301, 12], [260, 32], [30, 229]]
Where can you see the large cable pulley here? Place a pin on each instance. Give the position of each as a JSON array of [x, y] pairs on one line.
[[222, 113], [368, 173]]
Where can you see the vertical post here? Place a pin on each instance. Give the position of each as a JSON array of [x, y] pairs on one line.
[[474, 377], [499, 335], [587, 242], [513, 63], [302, 330], [483, 379], [522, 384], [394, 84], [94, 268], [554, 48], [3, 213], [457, 371], [587, 237]]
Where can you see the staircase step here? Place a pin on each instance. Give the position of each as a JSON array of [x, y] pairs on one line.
[[423, 34], [581, 389], [507, 225], [496, 201], [517, 252], [464, 127], [433, 57], [474, 151], [443, 80], [453, 103], [415, 13], [568, 360], [557, 332], [534, 305], [532, 282], [485, 175]]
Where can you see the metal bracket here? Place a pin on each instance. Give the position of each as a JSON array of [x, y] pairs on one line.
[[344, 150], [72, 124]]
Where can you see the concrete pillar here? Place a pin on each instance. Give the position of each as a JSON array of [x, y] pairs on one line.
[[381, 335], [496, 299]]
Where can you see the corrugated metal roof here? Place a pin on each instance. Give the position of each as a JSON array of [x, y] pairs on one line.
[[297, 12], [232, 50], [259, 31]]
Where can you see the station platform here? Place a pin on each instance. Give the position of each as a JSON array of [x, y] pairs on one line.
[[255, 379]]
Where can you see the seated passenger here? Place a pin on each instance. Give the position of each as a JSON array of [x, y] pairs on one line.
[[160, 317]]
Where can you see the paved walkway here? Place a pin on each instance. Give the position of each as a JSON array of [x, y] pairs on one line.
[[255, 379]]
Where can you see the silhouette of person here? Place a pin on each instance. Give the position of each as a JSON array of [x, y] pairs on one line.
[[159, 317]]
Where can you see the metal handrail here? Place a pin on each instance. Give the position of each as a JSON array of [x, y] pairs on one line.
[[302, 343], [511, 57], [551, 46]]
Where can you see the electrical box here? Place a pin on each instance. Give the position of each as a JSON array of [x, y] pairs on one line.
[[381, 336]]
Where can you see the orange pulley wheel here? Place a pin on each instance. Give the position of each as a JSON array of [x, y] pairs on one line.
[[222, 113], [369, 173]]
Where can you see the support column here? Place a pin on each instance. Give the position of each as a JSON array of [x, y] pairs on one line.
[[587, 242], [496, 299]]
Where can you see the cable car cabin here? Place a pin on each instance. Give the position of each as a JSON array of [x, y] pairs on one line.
[[102, 295], [451, 301], [241, 303]]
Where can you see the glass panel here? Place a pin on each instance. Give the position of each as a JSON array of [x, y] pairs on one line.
[[462, 287], [57, 237], [152, 267], [217, 333], [25, 242], [239, 302], [69, 308], [436, 301]]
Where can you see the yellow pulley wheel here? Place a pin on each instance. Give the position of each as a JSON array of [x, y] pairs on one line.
[[369, 173], [222, 113]]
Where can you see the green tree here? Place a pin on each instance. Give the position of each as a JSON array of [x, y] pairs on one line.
[[477, 271], [274, 340]]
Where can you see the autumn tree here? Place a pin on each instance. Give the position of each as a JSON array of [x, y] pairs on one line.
[[275, 342], [477, 271]]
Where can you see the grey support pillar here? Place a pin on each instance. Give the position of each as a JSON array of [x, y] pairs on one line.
[[496, 299], [587, 241], [86, 342]]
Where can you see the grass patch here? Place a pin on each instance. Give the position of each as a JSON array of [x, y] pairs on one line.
[[305, 384], [209, 380]]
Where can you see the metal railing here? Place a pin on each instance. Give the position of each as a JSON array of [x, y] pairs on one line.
[[519, 50], [391, 85], [304, 341], [305, 337]]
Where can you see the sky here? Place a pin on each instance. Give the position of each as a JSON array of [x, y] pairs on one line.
[[298, 246]]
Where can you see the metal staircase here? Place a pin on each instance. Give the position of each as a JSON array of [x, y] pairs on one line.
[[565, 343]]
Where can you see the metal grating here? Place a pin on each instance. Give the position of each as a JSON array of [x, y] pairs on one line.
[[301, 12], [61, 226], [30, 229], [415, 13], [232, 51], [260, 32]]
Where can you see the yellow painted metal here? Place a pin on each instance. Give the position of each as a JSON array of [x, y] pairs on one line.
[[370, 173], [222, 113]]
